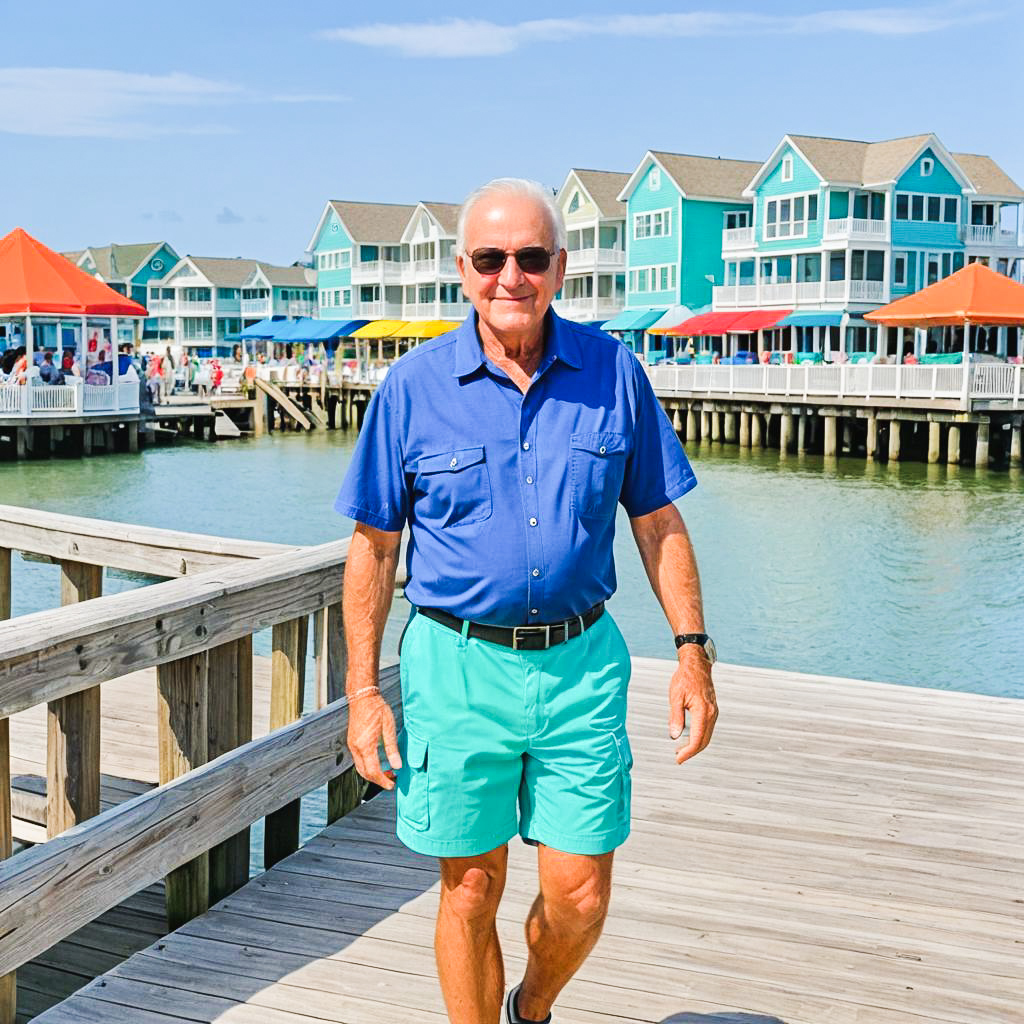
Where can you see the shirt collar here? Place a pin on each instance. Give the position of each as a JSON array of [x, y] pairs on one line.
[[562, 344]]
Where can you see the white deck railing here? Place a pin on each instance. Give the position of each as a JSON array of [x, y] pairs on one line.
[[737, 238], [987, 234], [987, 381], [78, 399], [856, 227]]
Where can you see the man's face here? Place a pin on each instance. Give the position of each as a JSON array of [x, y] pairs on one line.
[[510, 301]]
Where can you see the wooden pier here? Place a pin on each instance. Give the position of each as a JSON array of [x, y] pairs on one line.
[[845, 852]]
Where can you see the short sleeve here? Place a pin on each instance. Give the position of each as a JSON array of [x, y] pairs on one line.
[[657, 470], [374, 490]]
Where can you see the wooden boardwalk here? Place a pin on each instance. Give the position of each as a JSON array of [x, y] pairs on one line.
[[843, 853]]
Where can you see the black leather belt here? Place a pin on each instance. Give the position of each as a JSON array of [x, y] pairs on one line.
[[521, 638]]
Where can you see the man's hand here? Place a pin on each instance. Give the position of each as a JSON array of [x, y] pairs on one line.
[[691, 690], [370, 721]]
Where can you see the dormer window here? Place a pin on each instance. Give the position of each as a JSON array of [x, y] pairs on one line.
[[654, 179], [927, 166], [787, 168], [574, 203]]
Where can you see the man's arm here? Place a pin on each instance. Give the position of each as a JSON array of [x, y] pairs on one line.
[[668, 557], [366, 601]]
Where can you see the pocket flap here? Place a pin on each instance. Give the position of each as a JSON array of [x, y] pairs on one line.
[[415, 750], [604, 443], [453, 461], [625, 753]]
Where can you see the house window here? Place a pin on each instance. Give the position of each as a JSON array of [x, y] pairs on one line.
[[737, 219], [337, 298], [652, 225], [934, 209], [654, 179], [899, 270], [949, 211], [787, 168], [927, 166], [574, 203], [917, 207], [903, 206], [788, 218], [344, 259], [346, 297], [837, 266]]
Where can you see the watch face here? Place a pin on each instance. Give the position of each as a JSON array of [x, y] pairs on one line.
[[710, 650]]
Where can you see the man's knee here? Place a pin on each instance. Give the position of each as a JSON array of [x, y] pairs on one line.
[[471, 887], [579, 890]]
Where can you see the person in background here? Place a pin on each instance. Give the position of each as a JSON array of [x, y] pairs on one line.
[[216, 375], [48, 373]]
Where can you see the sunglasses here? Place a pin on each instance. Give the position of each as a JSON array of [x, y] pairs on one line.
[[532, 259]]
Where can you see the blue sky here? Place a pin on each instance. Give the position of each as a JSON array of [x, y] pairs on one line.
[[223, 129]]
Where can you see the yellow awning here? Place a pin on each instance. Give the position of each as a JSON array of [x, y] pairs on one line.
[[425, 328], [379, 329]]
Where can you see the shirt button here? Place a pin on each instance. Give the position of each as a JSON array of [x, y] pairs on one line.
[[533, 520], [602, 450], [533, 611], [453, 463], [536, 572], [526, 446], [529, 479]]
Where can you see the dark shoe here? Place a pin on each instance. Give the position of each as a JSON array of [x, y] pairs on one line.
[[512, 1013]]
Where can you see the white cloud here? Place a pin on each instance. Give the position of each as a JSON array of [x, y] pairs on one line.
[[463, 37], [83, 102]]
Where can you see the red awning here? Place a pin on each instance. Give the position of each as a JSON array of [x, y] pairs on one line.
[[34, 279], [758, 320], [738, 321]]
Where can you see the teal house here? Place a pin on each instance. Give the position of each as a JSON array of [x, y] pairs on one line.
[[677, 207], [841, 227]]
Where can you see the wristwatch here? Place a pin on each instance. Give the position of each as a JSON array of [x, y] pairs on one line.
[[702, 640]]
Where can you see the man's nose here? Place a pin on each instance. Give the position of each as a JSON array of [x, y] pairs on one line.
[[511, 276]]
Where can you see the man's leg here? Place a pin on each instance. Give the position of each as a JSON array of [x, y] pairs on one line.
[[564, 923], [469, 962]]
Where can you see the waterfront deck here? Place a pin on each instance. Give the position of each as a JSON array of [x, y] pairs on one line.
[[844, 853]]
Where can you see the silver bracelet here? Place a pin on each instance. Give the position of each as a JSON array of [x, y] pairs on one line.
[[362, 693]]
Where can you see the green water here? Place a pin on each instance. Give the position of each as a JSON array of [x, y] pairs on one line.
[[910, 574]]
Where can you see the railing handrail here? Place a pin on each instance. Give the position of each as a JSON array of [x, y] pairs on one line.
[[51, 654], [135, 843], [148, 549]]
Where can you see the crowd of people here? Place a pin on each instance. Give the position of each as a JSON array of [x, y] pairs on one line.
[[14, 367]]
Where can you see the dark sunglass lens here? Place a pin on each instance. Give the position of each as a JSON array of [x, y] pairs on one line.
[[534, 259], [487, 261]]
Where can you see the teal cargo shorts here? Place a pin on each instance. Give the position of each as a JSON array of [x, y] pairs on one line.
[[498, 742]]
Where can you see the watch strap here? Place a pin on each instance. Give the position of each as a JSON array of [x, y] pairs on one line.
[[691, 638]]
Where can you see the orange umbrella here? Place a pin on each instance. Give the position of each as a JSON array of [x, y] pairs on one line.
[[35, 279], [974, 295]]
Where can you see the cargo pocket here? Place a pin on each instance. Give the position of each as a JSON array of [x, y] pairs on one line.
[[598, 466], [625, 767], [413, 805]]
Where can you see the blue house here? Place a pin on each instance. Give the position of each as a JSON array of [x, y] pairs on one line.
[[841, 227], [677, 207]]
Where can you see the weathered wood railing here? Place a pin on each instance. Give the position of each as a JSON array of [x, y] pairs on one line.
[[197, 632]]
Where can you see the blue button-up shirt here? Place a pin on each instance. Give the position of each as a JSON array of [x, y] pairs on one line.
[[510, 498]]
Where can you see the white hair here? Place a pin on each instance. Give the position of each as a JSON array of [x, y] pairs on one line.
[[522, 188]]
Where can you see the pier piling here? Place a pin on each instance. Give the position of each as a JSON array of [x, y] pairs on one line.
[[757, 431], [934, 441], [744, 429], [981, 445], [830, 436], [691, 424], [953, 444], [1015, 443], [871, 443], [894, 440]]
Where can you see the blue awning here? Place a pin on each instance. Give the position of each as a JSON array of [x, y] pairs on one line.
[[305, 329], [264, 328], [634, 319], [812, 318]]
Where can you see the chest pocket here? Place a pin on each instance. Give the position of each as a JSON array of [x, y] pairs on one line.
[[598, 464], [453, 487]]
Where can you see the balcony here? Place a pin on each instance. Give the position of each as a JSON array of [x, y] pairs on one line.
[[857, 229], [455, 310], [593, 259], [374, 270], [795, 294], [987, 234], [867, 291], [161, 307], [256, 307], [737, 238], [377, 310], [296, 308], [589, 308], [185, 307]]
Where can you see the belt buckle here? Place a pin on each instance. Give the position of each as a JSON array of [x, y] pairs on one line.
[[531, 631]]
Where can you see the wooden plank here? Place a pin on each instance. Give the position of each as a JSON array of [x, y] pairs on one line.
[[230, 726], [140, 841], [8, 982], [5, 583], [73, 726], [50, 654], [287, 691], [285, 402], [344, 793], [124, 545], [183, 688]]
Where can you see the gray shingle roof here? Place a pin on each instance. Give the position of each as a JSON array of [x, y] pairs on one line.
[[296, 277], [987, 176], [233, 272], [447, 215], [374, 222], [118, 262], [709, 176], [604, 188]]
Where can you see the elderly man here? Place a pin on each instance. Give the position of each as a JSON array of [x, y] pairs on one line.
[[506, 446]]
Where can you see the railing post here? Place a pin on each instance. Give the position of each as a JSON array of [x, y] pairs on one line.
[[182, 720], [287, 689], [899, 380], [345, 792], [8, 983], [229, 725], [73, 727]]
